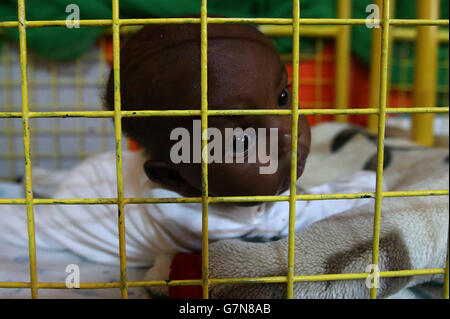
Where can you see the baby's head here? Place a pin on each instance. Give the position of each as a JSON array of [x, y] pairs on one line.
[[160, 70]]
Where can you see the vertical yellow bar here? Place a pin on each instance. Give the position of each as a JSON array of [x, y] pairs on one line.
[[381, 132], [342, 62], [446, 279], [375, 66], [294, 133], [425, 77], [34, 132], [118, 138], [204, 125], [26, 147]]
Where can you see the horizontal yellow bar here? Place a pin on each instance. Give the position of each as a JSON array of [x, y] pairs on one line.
[[224, 199], [328, 277], [419, 22], [284, 29], [105, 114], [306, 31], [267, 21], [220, 281]]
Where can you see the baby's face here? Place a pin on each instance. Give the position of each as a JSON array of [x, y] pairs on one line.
[[239, 79], [244, 72]]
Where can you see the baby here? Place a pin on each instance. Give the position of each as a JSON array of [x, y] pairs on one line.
[[160, 70]]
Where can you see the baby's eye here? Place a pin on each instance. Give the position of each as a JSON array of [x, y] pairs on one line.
[[283, 99], [241, 144]]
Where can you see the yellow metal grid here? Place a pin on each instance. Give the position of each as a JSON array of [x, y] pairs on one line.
[[295, 22], [57, 81]]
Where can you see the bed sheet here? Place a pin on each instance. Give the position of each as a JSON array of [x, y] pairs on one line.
[[51, 267]]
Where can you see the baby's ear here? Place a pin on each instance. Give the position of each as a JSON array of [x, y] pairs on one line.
[[162, 173]]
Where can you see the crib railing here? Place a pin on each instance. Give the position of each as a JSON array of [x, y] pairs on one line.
[[337, 28]]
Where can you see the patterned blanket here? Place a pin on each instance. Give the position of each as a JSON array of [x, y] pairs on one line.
[[414, 230]]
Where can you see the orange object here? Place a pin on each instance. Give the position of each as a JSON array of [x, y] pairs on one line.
[[133, 145], [316, 87], [107, 46]]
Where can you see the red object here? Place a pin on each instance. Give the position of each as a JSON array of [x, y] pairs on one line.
[[133, 145], [186, 266], [107, 46], [316, 86]]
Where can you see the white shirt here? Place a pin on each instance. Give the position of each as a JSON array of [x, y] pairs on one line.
[[155, 229]]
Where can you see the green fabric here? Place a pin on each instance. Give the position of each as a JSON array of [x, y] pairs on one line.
[[62, 44]]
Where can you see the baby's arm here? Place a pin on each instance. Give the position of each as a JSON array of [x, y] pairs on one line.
[[88, 230]]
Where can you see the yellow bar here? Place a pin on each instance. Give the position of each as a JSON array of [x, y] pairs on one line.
[[418, 22], [391, 45], [425, 77], [305, 31], [342, 62], [223, 199], [381, 132], [221, 281], [327, 277], [204, 125], [294, 138], [105, 114], [446, 278], [375, 65], [118, 138], [32, 107], [269, 21], [26, 144], [294, 25]]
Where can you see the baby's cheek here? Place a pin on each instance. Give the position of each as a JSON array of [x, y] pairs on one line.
[[304, 132]]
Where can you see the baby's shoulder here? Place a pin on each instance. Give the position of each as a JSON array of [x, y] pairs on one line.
[[102, 167]]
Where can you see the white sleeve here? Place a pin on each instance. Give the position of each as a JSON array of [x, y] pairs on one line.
[[88, 230]]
